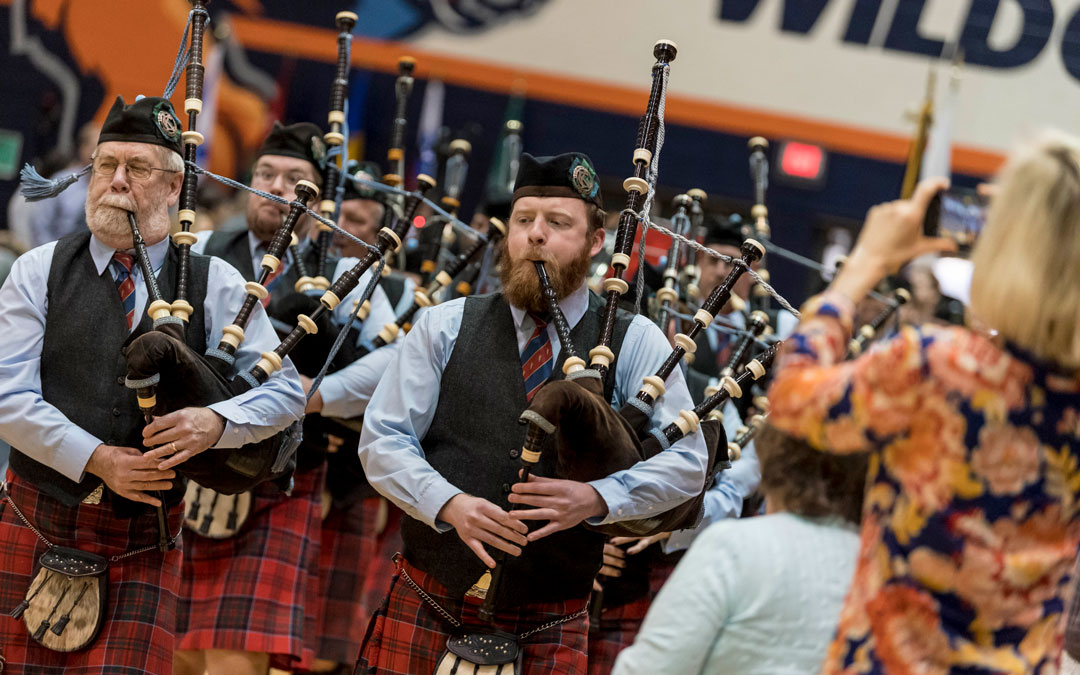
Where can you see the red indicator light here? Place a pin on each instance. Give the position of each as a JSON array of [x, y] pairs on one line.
[[801, 160], [418, 222]]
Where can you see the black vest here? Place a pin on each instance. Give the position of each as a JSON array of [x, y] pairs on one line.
[[394, 286], [82, 366], [232, 247], [474, 442]]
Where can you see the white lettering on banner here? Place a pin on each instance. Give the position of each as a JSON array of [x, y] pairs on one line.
[[852, 63]]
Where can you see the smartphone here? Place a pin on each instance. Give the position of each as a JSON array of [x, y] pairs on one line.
[[959, 214]]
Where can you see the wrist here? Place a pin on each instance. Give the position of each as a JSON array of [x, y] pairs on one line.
[[448, 512], [94, 463], [315, 404], [859, 275]]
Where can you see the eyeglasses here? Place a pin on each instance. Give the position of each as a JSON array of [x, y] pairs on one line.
[[267, 177], [106, 166]]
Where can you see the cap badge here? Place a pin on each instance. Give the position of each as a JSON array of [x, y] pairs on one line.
[[583, 178], [167, 123]]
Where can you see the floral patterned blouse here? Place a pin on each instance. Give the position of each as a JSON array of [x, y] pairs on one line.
[[970, 526]]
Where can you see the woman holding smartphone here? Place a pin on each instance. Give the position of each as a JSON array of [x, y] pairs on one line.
[[970, 525]]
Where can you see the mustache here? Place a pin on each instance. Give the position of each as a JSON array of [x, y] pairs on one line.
[[538, 255]]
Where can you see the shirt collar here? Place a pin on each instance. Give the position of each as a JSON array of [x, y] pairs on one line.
[[573, 307], [103, 254]]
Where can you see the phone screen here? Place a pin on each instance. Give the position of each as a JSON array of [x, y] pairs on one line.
[[959, 214]]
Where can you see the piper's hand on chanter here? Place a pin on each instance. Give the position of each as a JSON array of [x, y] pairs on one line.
[[180, 435], [477, 521], [129, 473], [639, 543], [563, 503], [614, 560], [891, 236], [334, 443]]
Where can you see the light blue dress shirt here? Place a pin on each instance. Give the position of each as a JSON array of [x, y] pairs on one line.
[[381, 311], [348, 392], [760, 596], [403, 406], [45, 434]]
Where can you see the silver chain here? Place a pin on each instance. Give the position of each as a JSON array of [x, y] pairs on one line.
[[457, 624], [430, 600], [115, 558]]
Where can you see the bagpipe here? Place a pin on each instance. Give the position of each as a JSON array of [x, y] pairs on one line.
[[571, 416], [691, 273], [468, 262], [759, 215], [162, 357], [870, 329], [667, 297], [455, 172], [219, 479]]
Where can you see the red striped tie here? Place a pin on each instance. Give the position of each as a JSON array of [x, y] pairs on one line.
[[536, 361], [125, 284]]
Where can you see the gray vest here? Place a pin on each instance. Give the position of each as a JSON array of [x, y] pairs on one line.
[[474, 442], [232, 247], [82, 366]]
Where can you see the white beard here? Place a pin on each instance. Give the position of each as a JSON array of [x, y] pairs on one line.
[[108, 221]]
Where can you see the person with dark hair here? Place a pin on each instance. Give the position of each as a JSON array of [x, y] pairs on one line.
[[761, 595], [972, 524]]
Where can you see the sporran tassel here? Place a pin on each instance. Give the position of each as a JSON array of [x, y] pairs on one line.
[[19, 609]]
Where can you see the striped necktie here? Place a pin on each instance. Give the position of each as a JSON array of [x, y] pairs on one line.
[[125, 284], [536, 360]]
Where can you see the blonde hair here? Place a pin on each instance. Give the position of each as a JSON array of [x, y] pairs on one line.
[[1026, 278]]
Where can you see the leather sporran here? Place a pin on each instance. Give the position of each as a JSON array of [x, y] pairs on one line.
[[494, 653], [215, 515], [64, 607]]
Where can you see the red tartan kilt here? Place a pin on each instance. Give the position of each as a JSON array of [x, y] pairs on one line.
[[382, 568], [137, 635], [619, 625], [408, 637], [258, 591], [349, 547]]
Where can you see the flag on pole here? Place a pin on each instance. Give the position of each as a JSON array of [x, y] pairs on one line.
[[937, 162], [427, 136]]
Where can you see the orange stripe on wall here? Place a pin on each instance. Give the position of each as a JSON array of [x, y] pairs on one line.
[[320, 45]]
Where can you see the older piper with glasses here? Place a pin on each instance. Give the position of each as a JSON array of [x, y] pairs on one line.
[[136, 167]]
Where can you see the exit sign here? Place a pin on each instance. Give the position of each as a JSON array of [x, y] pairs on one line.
[[801, 164], [10, 151]]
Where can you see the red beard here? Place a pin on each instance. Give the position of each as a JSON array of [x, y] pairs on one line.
[[521, 285]]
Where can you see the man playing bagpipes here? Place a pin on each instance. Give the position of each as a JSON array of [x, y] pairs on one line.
[[714, 347], [250, 594], [90, 566], [360, 528], [362, 214], [442, 440]]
